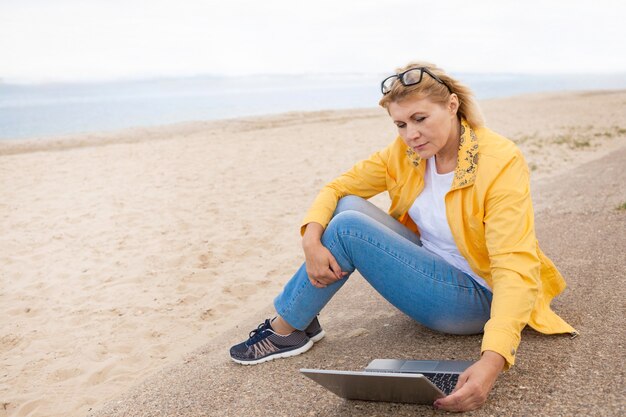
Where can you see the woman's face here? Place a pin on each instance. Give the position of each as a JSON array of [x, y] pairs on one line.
[[427, 127]]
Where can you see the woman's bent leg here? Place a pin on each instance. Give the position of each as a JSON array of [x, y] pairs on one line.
[[293, 304], [417, 282], [354, 203]]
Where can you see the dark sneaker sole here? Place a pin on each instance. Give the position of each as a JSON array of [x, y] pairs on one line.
[[277, 355]]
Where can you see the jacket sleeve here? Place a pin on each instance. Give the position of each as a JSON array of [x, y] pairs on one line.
[[365, 179], [511, 243]]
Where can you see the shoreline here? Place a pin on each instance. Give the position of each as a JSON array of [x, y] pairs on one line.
[[57, 110], [186, 128], [9, 146], [118, 260]]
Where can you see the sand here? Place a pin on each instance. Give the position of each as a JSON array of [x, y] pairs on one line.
[[122, 253]]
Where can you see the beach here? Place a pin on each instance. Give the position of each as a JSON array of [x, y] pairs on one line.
[[130, 253]]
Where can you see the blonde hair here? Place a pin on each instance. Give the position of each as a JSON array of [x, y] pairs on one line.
[[436, 92]]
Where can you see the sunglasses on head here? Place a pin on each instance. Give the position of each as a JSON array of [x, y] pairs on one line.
[[409, 77]]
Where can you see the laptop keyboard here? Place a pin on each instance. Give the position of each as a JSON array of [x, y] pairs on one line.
[[445, 382]]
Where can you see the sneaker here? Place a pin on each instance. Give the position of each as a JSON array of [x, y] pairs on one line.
[[314, 331], [265, 345]]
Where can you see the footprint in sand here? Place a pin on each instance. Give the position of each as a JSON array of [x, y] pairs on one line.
[[101, 375], [28, 407], [64, 374], [208, 314], [241, 291], [264, 283], [358, 332], [224, 307], [189, 299], [9, 342], [204, 260]]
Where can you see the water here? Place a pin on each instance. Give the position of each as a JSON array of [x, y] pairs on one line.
[[45, 110]]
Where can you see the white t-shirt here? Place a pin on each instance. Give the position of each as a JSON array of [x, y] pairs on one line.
[[429, 214]]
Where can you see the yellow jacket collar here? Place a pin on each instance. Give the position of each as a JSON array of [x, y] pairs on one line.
[[467, 159]]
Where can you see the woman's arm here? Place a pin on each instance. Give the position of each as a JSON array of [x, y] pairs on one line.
[[512, 246], [511, 242]]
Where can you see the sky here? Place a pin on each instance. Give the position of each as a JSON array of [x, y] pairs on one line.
[[81, 40]]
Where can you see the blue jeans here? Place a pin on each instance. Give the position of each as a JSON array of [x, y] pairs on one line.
[[390, 257]]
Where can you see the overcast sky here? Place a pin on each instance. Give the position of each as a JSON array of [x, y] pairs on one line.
[[60, 40]]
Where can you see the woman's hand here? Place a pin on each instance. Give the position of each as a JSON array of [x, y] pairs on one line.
[[474, 384], [321, 265]]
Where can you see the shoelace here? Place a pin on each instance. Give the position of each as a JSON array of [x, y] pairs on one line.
[[256, 334]]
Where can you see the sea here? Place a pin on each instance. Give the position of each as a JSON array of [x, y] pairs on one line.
[[33, 111]]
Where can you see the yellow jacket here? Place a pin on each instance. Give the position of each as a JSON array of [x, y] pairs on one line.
[[490, 214]]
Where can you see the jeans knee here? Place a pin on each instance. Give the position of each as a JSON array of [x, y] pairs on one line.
[[344, 218], [344, 223], [349, 202]]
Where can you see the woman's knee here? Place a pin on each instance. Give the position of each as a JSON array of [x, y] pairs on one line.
[[349, 218], [350, 202]]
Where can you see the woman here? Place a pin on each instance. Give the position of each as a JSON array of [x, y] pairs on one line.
[[457, 251]]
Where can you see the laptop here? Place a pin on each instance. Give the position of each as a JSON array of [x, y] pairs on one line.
[[393, 380]]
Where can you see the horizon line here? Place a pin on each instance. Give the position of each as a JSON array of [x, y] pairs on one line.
[[25, 81]]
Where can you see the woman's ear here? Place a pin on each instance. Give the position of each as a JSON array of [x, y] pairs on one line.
[[453, 105]]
